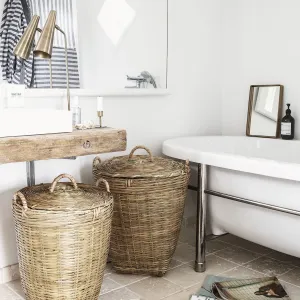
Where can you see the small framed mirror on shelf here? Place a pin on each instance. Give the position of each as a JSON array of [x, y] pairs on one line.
[[265, 111]]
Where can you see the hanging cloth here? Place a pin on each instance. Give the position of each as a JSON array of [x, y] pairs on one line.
[[12, 28], [67, 21]]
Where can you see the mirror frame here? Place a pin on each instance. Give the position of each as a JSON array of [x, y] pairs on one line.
[[250, 107]]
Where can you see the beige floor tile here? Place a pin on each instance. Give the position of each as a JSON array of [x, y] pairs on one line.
[[7, 294], [109, 285], [236, 241], [292, 277], [269, 266], [185, 276], [237, 255], [216, 265], [295, 261], [16, 287], [242, 272], [187, 235], [108, 269], [174, 264], [214, 246], [185, 253], [11, 273], [154, 288], [293, 291], [125, 279], [185, 294], [120, 294]]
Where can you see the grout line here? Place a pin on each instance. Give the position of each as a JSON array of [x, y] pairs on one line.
[[283, 262], [21, 297], [111, 290], [228, 260], [138, 280], [180, 265], [121, 286], [181, 287], [217, 251], [286, 282], [260, 255], [237, 246], [276, 260], [250, 261], [231, 269], [266, 274], [287, 272], [173, 294], [268, 253]]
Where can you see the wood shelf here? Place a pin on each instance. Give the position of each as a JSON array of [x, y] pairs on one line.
[[87, 93], [61, 145]]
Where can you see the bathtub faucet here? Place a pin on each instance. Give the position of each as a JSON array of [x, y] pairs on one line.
[[144, 78]]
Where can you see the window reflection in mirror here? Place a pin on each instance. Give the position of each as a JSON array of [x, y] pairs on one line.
[[119, 39], [264, 113]]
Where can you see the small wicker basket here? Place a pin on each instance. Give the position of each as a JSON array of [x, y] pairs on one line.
[[149, 195], [63, 234]]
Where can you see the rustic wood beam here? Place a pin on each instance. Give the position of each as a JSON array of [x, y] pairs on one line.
[[51, 146]]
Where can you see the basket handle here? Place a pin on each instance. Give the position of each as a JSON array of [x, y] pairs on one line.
[[96, 161], [22, 198], [140, 147], [58, 178], [105, 182]]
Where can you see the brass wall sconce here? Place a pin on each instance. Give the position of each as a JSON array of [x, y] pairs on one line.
[[44, 46]]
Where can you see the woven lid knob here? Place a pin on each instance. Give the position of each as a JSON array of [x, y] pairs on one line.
[[140, 147]]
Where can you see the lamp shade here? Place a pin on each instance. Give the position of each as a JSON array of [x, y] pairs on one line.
[[24, 46], [44, 46]]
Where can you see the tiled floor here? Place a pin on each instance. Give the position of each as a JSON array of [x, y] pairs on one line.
[[228, 255]]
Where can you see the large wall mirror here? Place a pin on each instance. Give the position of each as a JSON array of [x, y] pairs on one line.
[[122, 37], [111, 44], [264, 111]]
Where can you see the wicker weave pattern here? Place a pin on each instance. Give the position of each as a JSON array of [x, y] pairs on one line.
[[147, 211], [62, 253]]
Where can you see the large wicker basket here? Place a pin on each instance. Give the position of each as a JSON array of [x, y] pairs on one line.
[[63, 233], [149, 195]]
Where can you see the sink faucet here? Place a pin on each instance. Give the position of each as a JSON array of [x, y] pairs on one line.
[[141, 80]]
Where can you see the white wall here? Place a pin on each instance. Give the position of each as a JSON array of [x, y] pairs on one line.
[[193, 108], [143, 45], [261, 45]]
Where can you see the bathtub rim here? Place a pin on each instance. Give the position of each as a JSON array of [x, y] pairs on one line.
[[179, 148]]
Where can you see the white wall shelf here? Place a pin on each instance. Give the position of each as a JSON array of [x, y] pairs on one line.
[[59, 93]]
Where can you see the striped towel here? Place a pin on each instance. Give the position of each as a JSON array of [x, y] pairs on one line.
[[67, 21], [13, 25], [42, 70]]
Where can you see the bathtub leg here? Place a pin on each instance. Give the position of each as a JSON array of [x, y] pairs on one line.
[[201, 219]]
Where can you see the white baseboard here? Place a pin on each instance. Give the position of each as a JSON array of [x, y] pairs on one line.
[[9, 273]]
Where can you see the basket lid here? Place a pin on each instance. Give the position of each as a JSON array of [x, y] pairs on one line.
[[140, 166], [64, 196]]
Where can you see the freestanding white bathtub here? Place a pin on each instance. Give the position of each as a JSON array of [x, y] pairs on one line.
[[266, 171]]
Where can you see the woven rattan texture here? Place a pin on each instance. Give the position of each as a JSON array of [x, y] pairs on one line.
[[147, 214], [134, 166], [62, 253]]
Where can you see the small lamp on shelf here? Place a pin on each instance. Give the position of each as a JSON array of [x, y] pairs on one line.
[[44, 46], [100, 110]]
